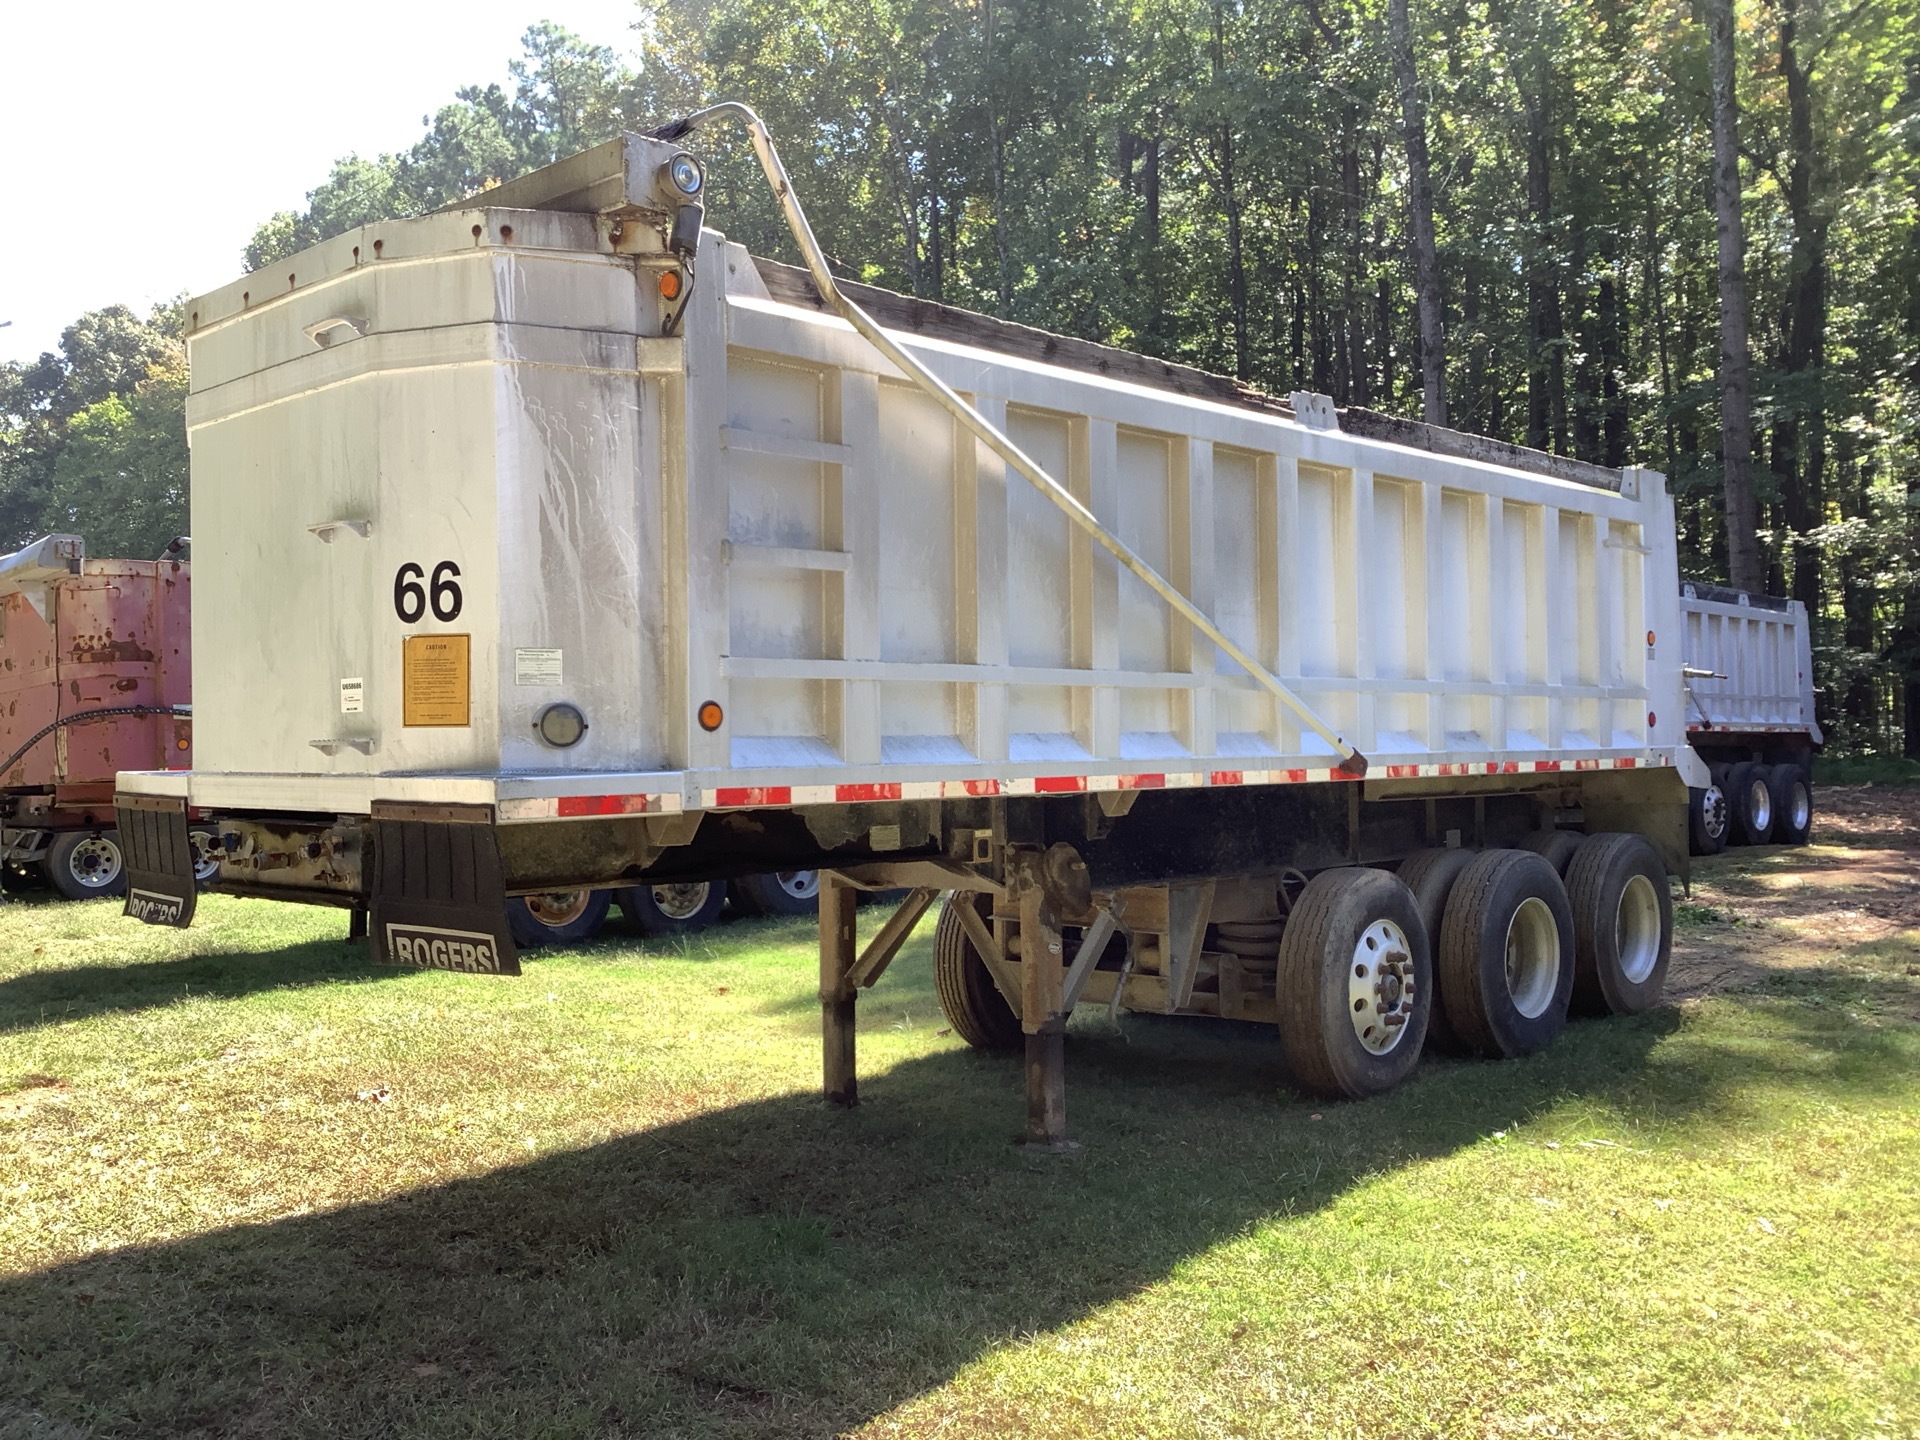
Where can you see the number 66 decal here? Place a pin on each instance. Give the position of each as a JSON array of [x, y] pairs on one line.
[[410, 596]]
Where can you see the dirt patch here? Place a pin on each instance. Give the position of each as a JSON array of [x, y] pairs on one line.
[[28, 1094], [1846, 905]]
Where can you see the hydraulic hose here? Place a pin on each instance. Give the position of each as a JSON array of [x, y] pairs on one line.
[[82, 717], [1352, 762]]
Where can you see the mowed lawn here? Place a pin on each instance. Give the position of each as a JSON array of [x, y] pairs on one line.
[[251, 1186]]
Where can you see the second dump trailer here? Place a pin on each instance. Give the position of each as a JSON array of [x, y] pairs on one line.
[[1750, 716], [562, 543]]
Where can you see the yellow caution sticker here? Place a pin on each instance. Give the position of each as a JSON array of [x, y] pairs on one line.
[[436, 680]]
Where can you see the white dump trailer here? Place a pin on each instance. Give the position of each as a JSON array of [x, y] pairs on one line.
[[1750, 715], [555, 543]]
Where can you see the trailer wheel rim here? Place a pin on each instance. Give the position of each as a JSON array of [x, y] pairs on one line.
[[1759, 803], [1636, 929], [1533, 957], [558, 908], [1713, 810], [1380, 987], [1799, 807], [206, 864], [800, 884], [94, 862], [682, 902]]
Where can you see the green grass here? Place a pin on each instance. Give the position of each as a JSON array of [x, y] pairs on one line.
[[1865, 770], [249, 1186]]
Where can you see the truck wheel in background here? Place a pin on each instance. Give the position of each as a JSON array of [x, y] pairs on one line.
[[1506, 954], [969, 999], [1556, 847], [1622, 925], [1707, 820], [681, 909], [1792, 791], [1355, 984], [783, 892], [560, 917], [1430, 874], [1750, 801], [82, 864], [206, 861]]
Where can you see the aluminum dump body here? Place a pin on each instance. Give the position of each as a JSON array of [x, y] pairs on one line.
[[1757, 655], [456, 473], [79, 636]]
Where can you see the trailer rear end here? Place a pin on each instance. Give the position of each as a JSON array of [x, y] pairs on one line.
[[571, 546]]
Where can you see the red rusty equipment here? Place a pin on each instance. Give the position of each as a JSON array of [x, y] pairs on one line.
[[95, 678]]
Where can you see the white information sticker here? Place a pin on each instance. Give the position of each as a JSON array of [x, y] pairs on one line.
[[353, 695], [536, 667]]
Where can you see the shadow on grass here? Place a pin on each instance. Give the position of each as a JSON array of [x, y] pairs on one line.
[[49, 997], [778, 1268]]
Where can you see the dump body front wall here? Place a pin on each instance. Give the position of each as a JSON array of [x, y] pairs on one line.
[[760, 513], [119, 636], [1762, 664]]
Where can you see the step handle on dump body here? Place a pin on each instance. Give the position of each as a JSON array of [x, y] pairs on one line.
[[1352, 762]]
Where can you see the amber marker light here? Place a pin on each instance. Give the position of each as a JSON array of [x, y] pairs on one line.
[[1649, 639], [671, 283], [711, 715]]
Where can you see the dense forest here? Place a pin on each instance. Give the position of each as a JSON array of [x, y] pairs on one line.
[[1530, 218]]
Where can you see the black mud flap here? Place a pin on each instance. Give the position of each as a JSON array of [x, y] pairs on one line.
[[159, 859], [439, 901]]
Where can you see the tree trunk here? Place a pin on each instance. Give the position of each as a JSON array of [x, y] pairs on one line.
[[1546, 362], [1002, 243], [1353, 321], [1426, 256], [1325, 370], [1744, 568], [1799, 439], [1230, 199]]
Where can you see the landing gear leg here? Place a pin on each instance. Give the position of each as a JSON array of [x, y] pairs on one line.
[[837, 955], [1043, 1018]]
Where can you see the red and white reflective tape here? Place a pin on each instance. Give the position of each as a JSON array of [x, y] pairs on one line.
[[761, 797], [584, 807], [751, 797]]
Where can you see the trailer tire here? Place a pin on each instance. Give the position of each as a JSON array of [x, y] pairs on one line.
[[1430, 874], [780, 892], [1556, 847], [1506, 954], [686, 908], [1792, 790], [1750, 801], [972, 1003], [558, 917], [1622, 925], [86, 864], [1707, 820], [1354, 959]]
